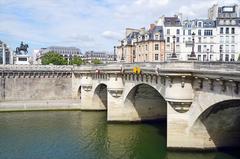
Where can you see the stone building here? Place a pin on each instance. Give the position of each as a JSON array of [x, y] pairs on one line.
[[97, 55], [214, 39], [6, 54], [172, 28], [141, 45], [67, 52], [228, 31], [206, 41]]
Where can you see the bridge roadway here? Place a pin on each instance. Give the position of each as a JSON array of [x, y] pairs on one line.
[[201, 101]]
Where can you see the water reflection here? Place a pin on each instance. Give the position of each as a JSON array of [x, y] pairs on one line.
[[85, 135]]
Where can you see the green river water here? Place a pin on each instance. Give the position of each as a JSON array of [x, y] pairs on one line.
[[86, 135]]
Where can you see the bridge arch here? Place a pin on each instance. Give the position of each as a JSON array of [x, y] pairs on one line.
[[219, 125], [100, 96], [146, 102]]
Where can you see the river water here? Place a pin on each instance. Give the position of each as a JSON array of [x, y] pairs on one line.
[[86, 135]]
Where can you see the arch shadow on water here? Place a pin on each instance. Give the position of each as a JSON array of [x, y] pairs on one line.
[[151, 110], [100, 95], [222, 123], [147, 102]]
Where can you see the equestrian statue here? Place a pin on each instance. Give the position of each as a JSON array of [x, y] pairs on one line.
[[22, 49]]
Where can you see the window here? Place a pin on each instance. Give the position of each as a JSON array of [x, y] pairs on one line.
[[211, 57], [199, 32], [183, 32], [168, 31], [227, 30], [177, 47], [178, 39], [232, 58], [233, 39], [221, 39], [199, 57], [156, 47], [221, 57], [178, 31], [211, 48], [189, 32], [146, 47], [156, 57], [208, 33], [221, 30], [227, 39], [233, 31], [168, 39], [205, 47], [226, 57], [233, 48], [199, 48], [221, 48], [227, 48], [204, 57], [199, 39], [199, 24]]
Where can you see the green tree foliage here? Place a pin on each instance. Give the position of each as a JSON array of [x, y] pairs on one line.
[[53, 58], [96, 61], [76, 61]]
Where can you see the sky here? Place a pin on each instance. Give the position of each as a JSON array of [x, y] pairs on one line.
[[87, 24]]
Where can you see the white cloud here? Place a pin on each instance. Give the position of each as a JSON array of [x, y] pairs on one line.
[[112, 35]]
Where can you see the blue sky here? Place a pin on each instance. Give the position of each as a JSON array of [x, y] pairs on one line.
[[87, 24]]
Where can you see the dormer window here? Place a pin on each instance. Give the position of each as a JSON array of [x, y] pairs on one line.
[[156, 37], [199, 24]]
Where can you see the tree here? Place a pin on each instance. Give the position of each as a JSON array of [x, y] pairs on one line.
[[239, 58], [53, 58], [76, 61], [96, 61]]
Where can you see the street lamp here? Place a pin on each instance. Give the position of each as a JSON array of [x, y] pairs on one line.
[[193, 55], [122, 50], [114, 56], [208, 55], [174, 56]]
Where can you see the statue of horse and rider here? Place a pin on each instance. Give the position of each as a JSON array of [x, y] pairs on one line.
[[22, 48]]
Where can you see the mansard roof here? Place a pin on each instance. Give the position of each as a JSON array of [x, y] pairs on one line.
[[172, 22], [199, 23]]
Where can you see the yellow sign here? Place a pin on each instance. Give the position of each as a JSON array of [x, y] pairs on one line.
[[137, 70]]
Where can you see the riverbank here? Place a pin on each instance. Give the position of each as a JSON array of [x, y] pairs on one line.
[[36, 105]]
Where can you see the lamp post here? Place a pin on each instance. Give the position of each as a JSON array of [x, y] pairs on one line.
[[208, 55], [122, 58], [174, 56], [114, 54], [193, 55]]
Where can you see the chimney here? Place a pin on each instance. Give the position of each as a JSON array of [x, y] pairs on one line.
[[152, 26]]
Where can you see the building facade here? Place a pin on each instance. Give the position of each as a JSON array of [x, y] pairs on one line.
[[214, 39], [228, 32], [142, 45], [204, 33], [95, 55], [6, 54], [173, 36], [67, 52]]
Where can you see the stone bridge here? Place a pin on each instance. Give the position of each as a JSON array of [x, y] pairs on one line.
[[200, 101]]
